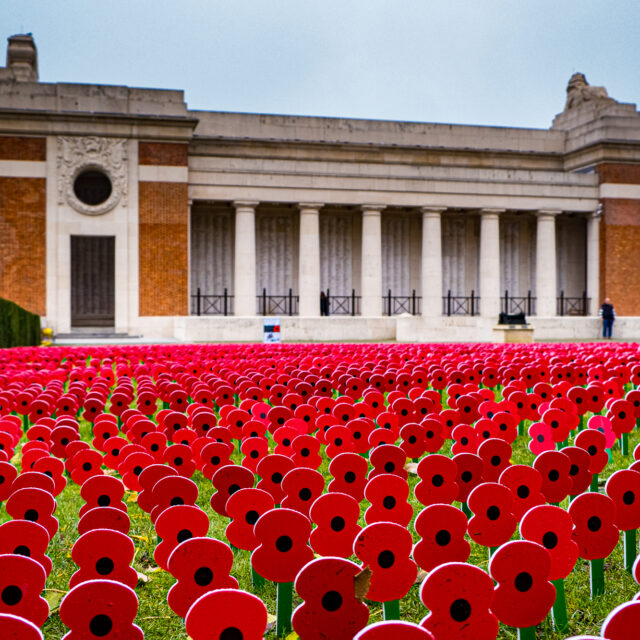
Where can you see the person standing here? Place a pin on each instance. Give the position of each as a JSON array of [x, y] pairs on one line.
[[324, 304], [608, 315]]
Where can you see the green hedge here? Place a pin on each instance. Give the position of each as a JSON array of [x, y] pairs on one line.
[[18, 327]]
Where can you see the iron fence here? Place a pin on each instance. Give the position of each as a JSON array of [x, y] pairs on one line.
[[211, 304], [573, 306], [395, 305], [343, 305], [519, 304], [460, 305], [273, 305]]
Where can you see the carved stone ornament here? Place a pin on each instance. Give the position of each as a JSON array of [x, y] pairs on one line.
[[79, 154], [580, 91]]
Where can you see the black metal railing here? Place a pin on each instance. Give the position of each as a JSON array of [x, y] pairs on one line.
[[519, 304], [460, 305], [343, 305], [284, 305], [395, 305], [572, 306], [211, 304]]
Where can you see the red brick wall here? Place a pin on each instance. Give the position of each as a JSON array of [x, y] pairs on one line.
[[163, 153], [620, 242], [164, 246], [13, 148], [22, 242]]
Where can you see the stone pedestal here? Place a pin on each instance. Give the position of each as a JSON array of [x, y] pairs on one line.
[[512, 333]]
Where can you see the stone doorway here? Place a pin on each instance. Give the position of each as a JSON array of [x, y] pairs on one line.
[[93, 281]]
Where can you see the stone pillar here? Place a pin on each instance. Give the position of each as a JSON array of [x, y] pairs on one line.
[[432, 261], [309, 260], [244, 272], [490, 262], [593, 261], [546, 277], [371, 260]]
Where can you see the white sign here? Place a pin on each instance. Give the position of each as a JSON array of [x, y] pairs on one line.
[[271, 330]]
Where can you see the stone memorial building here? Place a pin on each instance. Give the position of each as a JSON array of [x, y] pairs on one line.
[[123, 210]]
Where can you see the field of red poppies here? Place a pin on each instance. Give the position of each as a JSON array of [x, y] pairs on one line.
[[235, 492]]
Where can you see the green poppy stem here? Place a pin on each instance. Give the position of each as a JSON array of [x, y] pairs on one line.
[[284, 608], [594, 483], [391, 610], [559, 611], [528, 633], [624, 444], [257, 580], [629, 549], [596, 577]]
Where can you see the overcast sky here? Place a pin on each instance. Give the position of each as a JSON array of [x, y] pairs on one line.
[[493, 62]]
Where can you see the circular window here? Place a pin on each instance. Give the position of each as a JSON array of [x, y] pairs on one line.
[[92, 187]]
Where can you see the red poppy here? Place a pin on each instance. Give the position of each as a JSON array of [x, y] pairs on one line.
[[434, 439], [330, 608], [244, 508], [603, 425], [175, 525], [470, 474], [336, 516], [104, 518], [349, 471], [524, 594], [442, 528], [238, 615], [579, 469], [525, 483], [388, 496], [496, 455], [21, 583], [552, 527], [34, 479], [622, 416], [16, 628], [437, 484], [214, 456], [104, 554], [541, 438], [28, 539], [199, 565], [305, 451], [302, 487], [272, 469], [622, 623], [148, 479], [388, 459], [283, 535], [102, 491], [179, 457], [36, 505], [554, 467], [8, 474], [385, 548], [458, 596], [594, 443], [623, 487], [170, 491], [594, 529], [101, 608], [227, 480], [493, 522]]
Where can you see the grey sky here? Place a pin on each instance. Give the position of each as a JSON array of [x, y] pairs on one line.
[[494, 62]]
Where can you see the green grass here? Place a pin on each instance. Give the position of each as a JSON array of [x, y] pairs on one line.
[[158, 621]]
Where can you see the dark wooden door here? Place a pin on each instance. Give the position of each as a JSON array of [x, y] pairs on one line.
[[92, 281]]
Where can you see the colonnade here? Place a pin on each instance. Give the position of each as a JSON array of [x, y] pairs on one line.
[[431, 267]]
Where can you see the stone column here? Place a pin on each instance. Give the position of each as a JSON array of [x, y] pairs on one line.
[[490, 262], [432, 261], [371, 260], [309, 260], [593, 261], [546, 277], [244, 273]]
